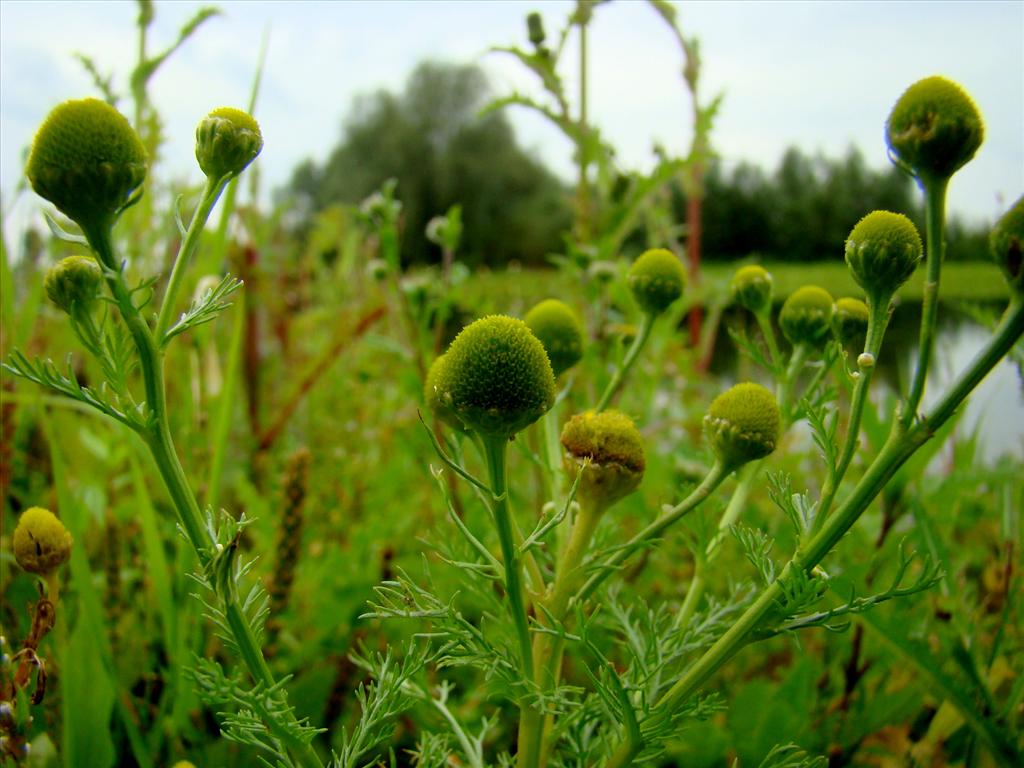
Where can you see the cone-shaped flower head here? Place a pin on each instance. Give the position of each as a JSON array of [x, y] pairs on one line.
[[559, 330], [806, 317], [882, 251], [934, 128], [743, 424], [496, 377], [432, 395], [752, 288], [227, 140], [850, 322], [1006, 243], [41, 542], [615, 450], [87, 160], [656, 279], [72, 282]]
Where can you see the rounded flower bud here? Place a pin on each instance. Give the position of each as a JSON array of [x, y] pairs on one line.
[[882, 251], [87, 160], [227, 140], [934, 128], [850, 321], [615, 450], [559, 330], [751, 288], [73, 281], [496, 377], [656, 279], [41, 542], [806, 317], [1006, 244], [602, 271], [743, 424]]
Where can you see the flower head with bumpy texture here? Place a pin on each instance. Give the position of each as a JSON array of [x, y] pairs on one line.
[[743, 424], [882, 251], [496, 377], [1006, 244], [656, 279], [41, 542], [850, 321], [806, 317], [934, 128], [609, 448], [751, 288], [559, 330], [227, 140], [73, 282], [87, 160], [432, 395]]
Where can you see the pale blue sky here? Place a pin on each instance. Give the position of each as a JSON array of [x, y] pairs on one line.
[[821, 75]]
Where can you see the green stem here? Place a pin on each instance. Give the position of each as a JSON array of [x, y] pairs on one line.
[[712, 480], [784, 388], [935, 211], [211, 192], [764, 322], [878, 319], [897, 449], [619, 377]]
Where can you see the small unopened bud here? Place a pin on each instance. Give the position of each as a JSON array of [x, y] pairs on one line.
[[850, 321], [752, 288], [73, 282], [609, 449], [535, 27], [865, 360], [806, 317], [559, 330], [496, 377], [87, 160], [1006, 244], [656, 280], [935, 128], [41, 542], [743, 424], [227, 140]]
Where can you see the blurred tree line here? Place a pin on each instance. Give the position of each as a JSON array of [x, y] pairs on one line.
[[434, 141]]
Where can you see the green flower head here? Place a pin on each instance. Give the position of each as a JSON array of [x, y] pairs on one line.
[[656, 279], [935, 128], [743, 424], [751, 288], [613, 450], [850, 321], [882, 251], [496, 377], [73, 282], [1006, 244], [41, 542], [87, 160], [806, 317], [559, 330], [227, 140]]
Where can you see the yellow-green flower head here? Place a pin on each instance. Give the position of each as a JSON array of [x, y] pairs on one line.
[[806, 317], [559, 330], [1006, 243], [934, 128], [227, 140], [615, 450], [850, 322], [432, 396], [87, 160], [41, 542], [743, 424], [656, 279], [751, 288], [72, 282], [496, 377], [882, 251]]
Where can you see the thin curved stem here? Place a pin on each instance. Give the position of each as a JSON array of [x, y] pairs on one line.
[[619, 377]]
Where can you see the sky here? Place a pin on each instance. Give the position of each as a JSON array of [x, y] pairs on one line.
[[819, 75]]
